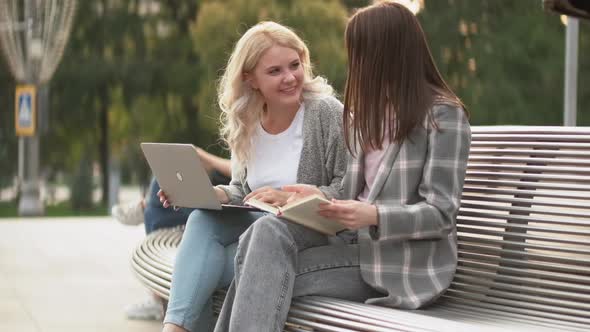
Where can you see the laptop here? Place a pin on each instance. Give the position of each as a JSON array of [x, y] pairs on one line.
[[181, 175]]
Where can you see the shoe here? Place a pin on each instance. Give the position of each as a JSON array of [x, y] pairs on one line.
[[150, 309], [128, 214]]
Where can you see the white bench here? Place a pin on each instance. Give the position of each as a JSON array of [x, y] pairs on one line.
[[524, 245]]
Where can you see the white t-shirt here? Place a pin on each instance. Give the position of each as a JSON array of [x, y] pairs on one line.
[[274, 159]]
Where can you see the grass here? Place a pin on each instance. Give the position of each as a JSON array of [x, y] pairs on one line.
[[10, 210]]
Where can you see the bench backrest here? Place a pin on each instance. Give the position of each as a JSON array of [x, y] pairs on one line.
[[524, 224]]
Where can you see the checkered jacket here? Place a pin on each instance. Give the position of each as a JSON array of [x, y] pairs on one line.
[[411, 256]]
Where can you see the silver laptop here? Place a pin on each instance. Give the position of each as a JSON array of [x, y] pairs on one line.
[[180, 174]]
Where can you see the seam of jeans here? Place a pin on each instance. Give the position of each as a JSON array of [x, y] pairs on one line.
[[238, 262], [281, 300], [319, 267]]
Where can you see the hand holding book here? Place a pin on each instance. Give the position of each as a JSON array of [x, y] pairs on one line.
[[304, 212], [350, 213], [303, 208]]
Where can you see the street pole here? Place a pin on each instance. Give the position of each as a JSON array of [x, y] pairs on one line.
[[571, 72], [33, 34], [30, 203]]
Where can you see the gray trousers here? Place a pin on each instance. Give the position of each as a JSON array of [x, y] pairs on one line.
[[277, 260]]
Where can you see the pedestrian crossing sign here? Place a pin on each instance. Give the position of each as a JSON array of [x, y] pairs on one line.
[[25, 110]]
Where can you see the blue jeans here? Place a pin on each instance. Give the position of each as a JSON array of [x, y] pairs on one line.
[[204, 262], [278, 260]]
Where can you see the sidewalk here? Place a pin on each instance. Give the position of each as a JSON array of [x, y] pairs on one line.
[[68, 274]]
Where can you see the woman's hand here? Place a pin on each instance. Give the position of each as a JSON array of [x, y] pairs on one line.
[[221, 195], [302, 190], [164, 200], [269, 195], [350, 213]]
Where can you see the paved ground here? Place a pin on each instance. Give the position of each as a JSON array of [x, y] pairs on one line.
[[68, 274]]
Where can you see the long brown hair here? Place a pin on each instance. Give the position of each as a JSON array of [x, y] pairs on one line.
[[392, 78]]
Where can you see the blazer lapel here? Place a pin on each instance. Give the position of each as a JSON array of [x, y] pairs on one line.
[[355, 175], [384, 171]]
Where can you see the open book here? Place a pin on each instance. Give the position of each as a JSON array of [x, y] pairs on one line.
[[304, 212]]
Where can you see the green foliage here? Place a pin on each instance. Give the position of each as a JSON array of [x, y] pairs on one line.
[[132, 67], [81, 187], [505, 59], [8, 209]]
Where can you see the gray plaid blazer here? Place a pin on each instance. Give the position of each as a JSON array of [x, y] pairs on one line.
[[411, 256]]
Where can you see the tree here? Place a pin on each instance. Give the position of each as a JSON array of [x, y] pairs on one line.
[[130, 74], [8, 140], [504, 58]]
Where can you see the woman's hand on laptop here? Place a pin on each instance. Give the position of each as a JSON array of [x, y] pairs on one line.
[[269, 195], [164, 199], [221, 195]]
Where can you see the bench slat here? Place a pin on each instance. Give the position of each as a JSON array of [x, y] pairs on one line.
[[528, 138], [523, 227], [530, 177], [523, 219], [517, 319], [530, 154], [527, 236], [477, 160], [563, 170], [527, 184], [583, 196], [520, 201], [518, 277], [502, 284], [572, 213], [537, 145], [479, 247], [518, 301], [507, 266]]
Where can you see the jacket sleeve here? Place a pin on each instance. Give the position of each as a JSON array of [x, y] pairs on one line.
[[433, 216], [236, 189], [336, 156]]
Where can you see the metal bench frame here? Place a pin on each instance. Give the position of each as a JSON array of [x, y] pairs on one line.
[[524, 245]]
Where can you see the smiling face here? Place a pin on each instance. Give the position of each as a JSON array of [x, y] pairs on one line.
[[279, 77]]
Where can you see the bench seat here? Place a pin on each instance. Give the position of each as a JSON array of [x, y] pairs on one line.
[[523, 245]]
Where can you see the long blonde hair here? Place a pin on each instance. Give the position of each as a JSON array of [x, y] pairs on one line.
[[241, 106]]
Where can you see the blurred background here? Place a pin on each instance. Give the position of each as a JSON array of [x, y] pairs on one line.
[[146, 70]]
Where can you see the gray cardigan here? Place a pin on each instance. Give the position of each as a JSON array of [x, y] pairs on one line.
[[323, 155]]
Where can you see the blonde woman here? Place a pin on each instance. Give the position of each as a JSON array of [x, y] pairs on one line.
[[283, 126]]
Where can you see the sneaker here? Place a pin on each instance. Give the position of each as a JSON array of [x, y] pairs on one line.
[[128, 214], [150, 309]]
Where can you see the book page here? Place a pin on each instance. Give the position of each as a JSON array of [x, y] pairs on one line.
[[305, 212]]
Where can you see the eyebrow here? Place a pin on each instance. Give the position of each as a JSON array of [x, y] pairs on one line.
[[279, 66]]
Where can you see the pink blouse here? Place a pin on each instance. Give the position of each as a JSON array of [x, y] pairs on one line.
[[373, 159]]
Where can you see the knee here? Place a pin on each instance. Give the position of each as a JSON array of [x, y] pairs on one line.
[[200, 223], [267, 231], [268, 225]]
